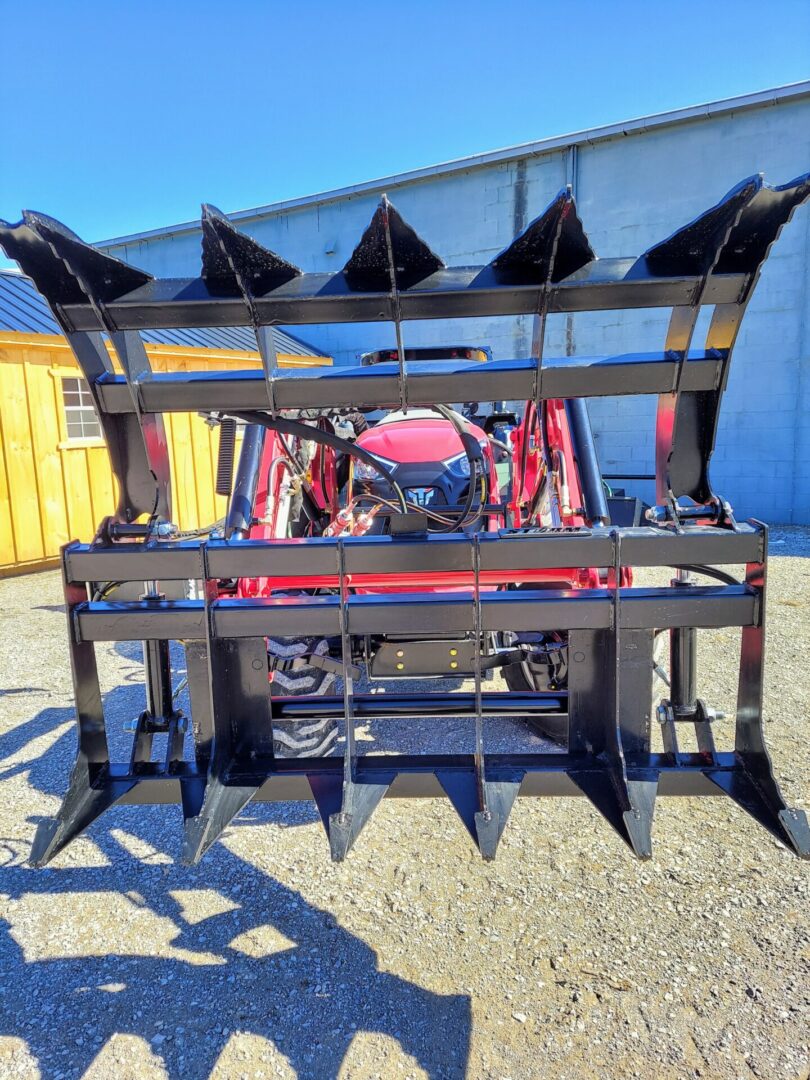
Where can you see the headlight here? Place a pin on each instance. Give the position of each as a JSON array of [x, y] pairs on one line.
[[460, 464], [363, 471]]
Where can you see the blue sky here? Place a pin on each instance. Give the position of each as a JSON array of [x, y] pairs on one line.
[[119, 117]]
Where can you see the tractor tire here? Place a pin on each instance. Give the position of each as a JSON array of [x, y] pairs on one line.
[[312, 736]]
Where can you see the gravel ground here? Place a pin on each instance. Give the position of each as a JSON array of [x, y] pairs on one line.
[[564, 958]]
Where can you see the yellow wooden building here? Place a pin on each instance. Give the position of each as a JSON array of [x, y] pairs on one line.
[[55, 478]]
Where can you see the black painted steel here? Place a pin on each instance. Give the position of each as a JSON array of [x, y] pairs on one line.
[[593, 491], [240, 509], [394, 275]]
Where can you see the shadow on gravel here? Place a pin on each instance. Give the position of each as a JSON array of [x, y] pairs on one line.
[[310, 995]]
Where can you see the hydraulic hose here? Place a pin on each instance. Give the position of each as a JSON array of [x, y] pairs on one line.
[[709, 571], [474, 457], [326, 438]]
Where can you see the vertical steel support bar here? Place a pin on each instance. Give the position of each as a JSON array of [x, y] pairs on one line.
[[480, 762], [138, 490], [752, 784], [129, 349], [360, 795], [395, 304], [627, 801], [677, 410], [239, 699], [350, 755], [267, 350], [678, 341], [539, 320], [496, 794], [160, 714], [90, 789]]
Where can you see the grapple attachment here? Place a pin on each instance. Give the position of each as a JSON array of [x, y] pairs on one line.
[[609, 630]]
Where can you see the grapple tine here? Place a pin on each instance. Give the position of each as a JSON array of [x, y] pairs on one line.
[[550, 248], [368, 267], [485, 825], [759, 225], [221, 803], [107, 278], [234, 263], [327, 792], [761, 799], [86, 799], [360, 799], [694, 249], [627, 805], [499, 797], [461, 788]]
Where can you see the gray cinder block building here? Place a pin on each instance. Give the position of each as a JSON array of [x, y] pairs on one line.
[[634, 184]]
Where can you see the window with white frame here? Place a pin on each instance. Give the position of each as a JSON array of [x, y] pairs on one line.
[[80, 416]]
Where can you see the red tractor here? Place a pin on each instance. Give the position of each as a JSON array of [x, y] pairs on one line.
[[421, 471]]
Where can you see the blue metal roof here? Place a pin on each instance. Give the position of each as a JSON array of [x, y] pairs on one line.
[[23, 310]]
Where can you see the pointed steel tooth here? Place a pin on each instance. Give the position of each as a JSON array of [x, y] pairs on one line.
[[461, 788], [500, 797], [345, 807], [630, 811], [760, 224], [104, 277], [550, 248], [221, 803], [229, 255], [695, 248], [368, 268], [85, 801], [484, 826], [327, 791], [360, 800], [762, 799]]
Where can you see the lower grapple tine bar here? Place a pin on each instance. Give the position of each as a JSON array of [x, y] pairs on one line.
[[360, 797], [626, 801], [751, 783], [496, 797], [206, 815]]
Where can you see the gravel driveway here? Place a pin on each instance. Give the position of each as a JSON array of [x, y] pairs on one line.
[[565, 958]]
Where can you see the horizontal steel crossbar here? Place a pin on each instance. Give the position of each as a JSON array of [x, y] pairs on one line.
[[546, 775], [457, 293], [502, 552], [429, 383], [418, 613]]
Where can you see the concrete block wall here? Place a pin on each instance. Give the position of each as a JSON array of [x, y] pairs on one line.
[[632, 191]]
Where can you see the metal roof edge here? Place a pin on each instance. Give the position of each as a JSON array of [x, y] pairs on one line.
[[638, 125]]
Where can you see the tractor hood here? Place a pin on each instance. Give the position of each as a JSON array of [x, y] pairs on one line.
[[418, 436]]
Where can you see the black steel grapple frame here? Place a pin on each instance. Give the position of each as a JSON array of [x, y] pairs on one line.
[[394, 275]]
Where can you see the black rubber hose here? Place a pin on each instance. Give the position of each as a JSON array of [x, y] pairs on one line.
[[327, 438], [709, 571], [474, 456]]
